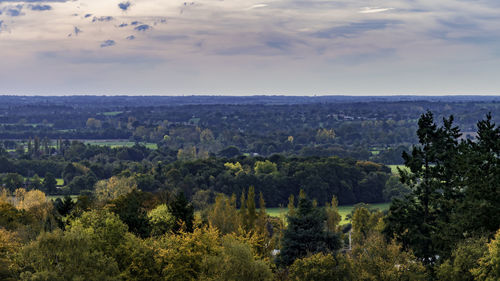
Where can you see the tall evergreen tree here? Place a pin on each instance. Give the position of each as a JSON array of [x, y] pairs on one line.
[[418, 221], [305, 233]]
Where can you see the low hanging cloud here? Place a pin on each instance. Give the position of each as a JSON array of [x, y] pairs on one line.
[[131, 37], [108, 43], [124, 5]]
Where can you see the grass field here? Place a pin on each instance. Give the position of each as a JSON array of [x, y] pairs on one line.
[[54, 197], [343, 210], [60, 182], [118, 143], [112, 113], [394, 168]]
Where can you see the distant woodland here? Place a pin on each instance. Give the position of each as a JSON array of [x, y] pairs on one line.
[[179, 188]]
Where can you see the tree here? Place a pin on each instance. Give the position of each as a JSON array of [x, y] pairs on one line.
[[379, 260], [183, 212], [106, 190], [265, 168], [364, 223], [223, 214], [321, 267], [161, 220], [489, 265], [479, 209], [9, 246], [251, 209], [50, 183], [464, 258], [420, 221], [236, 262], [305, 234], [333, 216], [62, 256]]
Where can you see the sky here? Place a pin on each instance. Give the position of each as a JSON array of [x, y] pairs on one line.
[[250, 47]]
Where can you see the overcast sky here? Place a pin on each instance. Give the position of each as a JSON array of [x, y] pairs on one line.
[[249, 47]]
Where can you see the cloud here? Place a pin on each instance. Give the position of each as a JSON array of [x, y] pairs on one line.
[[108, 43], [102, 19], [373, 10], [355, 28], [131, 37], [135, 23], [168, 38], [124, 5], [38, 7], [87, 16], [1, 25], [123, 25], [143, 27], [77, 31], [13, 11]]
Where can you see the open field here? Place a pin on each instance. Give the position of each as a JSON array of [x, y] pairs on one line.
[[119, 143], [60, 182], [394, 169], [343, 210], [54, 197]]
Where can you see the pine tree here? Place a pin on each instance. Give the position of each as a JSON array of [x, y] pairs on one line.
[[251, 209], [305, 233]]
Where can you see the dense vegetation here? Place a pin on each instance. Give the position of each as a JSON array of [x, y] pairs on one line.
[[194, 207]]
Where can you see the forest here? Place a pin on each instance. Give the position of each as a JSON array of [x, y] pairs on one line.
[[177, 188]]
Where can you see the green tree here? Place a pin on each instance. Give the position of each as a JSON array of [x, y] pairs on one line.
[[488, 268], [464, 258], [420, 221], [305, 233], [50, 183], [236, 262], [66, 256], [183, 212], [161, 220], [321, 267]]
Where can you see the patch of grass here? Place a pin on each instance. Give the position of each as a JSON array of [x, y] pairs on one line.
[[60, 182], [115, 144], [343, 210], [112, 113], [54, 197], [394, 169]]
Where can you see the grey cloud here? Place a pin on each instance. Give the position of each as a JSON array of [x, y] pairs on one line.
[[123, 25], [13, 11], [131, 37], [170, 37], [38, 7], [124, 5], [143, 27], [87, 16], [102, 19], [135, 23], [1, 25], [355, 29], [108, 43], [94, 57], [77, 30]]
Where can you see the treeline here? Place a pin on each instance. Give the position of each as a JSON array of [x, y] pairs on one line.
[[276, 177], [357, 128]]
